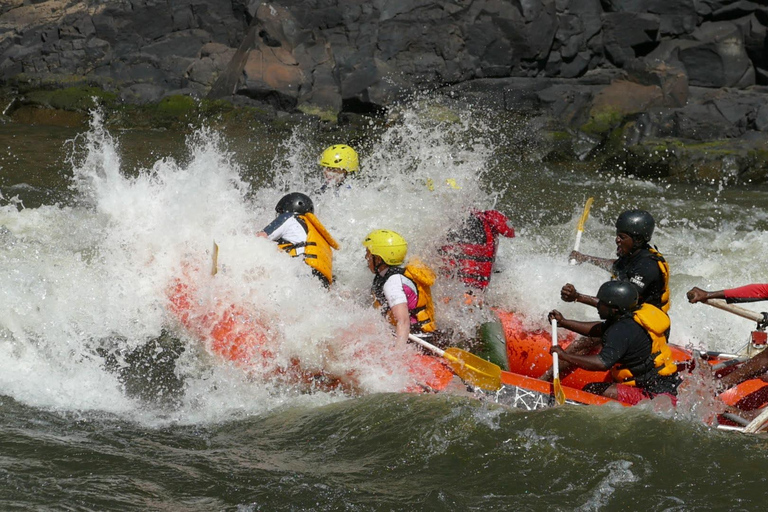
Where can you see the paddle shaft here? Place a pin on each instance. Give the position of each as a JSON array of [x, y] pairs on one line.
[[736, 310], [557, 387], [757, 424], [555, 357], [215, 259], [580, 228], [426, 345]]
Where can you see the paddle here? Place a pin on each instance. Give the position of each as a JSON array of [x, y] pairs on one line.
[[215, 259], [580, 229], [760, 318], [557, 388], [469, 367], [757, 424]]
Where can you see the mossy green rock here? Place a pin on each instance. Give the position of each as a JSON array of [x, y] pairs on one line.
[[699, 162], [602, 121], [177, 106], [79, 99]]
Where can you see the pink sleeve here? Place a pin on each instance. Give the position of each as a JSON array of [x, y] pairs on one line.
[[499, 222], [750, 291]]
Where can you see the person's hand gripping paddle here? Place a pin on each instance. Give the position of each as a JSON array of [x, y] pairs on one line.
[[557, 388]]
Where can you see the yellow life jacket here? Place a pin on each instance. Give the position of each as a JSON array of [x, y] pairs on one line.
[[317, 247], [656, 323], [423, 277], [664, 267]]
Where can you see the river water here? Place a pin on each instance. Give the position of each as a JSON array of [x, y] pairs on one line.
[[106, 403]]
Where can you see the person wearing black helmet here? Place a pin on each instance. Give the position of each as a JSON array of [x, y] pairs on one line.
[[637, 262], [299, 233], [634, 346]]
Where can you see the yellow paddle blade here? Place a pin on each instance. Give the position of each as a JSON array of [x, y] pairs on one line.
[[559, 393], [473, 369], [215, 259], [585, 213]]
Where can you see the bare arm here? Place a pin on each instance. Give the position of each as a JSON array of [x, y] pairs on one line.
[[604, 263], [592, 363], [569, 294], [402, 323], [751, 369], [696, 294], [591, 329]]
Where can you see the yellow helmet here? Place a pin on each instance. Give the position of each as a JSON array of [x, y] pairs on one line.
[[340, 156], [388, 245]]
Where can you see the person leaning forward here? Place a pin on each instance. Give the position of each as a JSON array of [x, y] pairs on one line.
[[757, 366], [299, 233], [402, 292], [470, 253], [634, 346]]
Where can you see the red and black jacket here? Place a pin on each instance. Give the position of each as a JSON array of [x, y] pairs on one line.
[[472, 249]]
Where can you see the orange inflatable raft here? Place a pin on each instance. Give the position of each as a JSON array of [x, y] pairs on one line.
[[528, 355], [240, 336]]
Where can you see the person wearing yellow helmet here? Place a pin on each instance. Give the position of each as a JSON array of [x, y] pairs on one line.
[[337, 162], [402, 292]]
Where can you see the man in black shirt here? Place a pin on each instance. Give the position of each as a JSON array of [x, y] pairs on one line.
[[633, 346], [637, 262]]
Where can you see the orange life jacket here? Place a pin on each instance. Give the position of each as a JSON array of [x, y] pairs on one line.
[[317, 247], [656, 324], [423, 315]]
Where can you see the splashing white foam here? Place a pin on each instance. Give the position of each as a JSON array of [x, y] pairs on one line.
[[74, 276]]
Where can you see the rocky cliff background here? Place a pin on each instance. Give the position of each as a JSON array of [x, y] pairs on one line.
[[674, 88]]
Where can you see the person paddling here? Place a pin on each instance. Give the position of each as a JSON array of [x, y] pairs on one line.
[[638, 263], [634, 346], [338, 162], [402, 292], [299, 233], [757, 366]]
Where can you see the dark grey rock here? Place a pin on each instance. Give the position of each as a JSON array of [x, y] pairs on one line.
[[717, 57], [549, 59], [761, 119], [628, 36], [142, 94]]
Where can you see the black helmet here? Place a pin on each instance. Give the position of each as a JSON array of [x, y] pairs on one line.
[[618, 294], [638, 224], [295, 202]]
